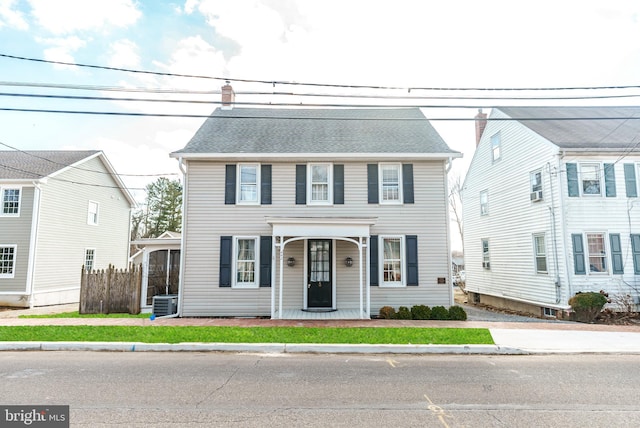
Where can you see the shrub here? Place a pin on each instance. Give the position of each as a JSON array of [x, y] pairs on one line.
[[387, 313], [587, 306], [403, 313], [457, 313], [439, 313], [420, 312]]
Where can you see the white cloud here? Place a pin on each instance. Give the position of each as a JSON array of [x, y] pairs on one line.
[[124, 54], [68, 16], [11, 17], [61, 50]]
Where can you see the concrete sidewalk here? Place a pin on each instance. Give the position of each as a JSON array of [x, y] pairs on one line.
[[510, 337]]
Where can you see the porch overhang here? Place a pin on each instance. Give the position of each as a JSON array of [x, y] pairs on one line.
[[329, 227]]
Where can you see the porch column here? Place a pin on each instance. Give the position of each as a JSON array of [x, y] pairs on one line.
[[367, 276], [273, 276], [360, 277], [281, 277]]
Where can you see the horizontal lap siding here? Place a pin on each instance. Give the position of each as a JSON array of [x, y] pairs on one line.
[[208, 218], [17, 231]]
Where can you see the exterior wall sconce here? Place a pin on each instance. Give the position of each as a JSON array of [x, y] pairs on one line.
[[348, 262], [291, 262]]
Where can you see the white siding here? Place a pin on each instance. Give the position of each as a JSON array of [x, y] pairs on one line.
[[207, 218], [17, 231]]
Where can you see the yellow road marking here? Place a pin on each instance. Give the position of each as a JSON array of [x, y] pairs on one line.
[[438, 411], [391, 362]]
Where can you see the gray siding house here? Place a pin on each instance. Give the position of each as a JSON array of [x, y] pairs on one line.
[[551, 207], [59, 211], [327, 213]]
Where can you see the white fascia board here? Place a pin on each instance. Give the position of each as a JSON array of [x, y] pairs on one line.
[[317, 156]]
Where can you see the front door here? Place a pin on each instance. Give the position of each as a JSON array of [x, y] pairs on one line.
[[319, 287]]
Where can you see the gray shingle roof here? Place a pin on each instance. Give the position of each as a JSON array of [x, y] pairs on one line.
[[608, 128], [272, 131], [35, 164]]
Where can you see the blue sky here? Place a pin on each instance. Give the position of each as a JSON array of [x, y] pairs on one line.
[[399, 43]]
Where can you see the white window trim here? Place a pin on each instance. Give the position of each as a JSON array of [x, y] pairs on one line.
[[400, 199], [2, 189], [15, 258], [536, 194], [256, 265], [329, 200], [484, 207], [485, 265], [93, 261], [599, 171], [90, 216], [607, 253], [535, 254], [239, 201], [499, 146], [403, 262]]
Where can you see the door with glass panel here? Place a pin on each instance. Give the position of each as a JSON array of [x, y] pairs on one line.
[[319, 286]]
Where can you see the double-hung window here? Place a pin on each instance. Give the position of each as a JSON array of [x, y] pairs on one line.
[[89, 259], [590, 178], [486, 261], [248, 184], [390, 183], [10, 202], [484, 202], [596, 246], [392, 260], [92, 213], [7, 261], [246, 251], [535, 179], [320, 189], [495, 147], [540, 250]]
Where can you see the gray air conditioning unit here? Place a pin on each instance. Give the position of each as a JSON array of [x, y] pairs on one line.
[[165, 305]]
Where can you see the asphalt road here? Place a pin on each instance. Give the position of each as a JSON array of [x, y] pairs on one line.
[[214, 389]]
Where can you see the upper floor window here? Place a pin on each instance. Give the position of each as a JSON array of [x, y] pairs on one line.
[[535, 179], [92, 213], [540, 249], [486, 262], [246, 261], [590, 178], [320, 184], [10, 201], [7, 261], [495, 147], [248, 184], [484, 202], [390, 183]]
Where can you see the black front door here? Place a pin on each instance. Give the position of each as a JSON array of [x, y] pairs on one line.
[[319, 291]]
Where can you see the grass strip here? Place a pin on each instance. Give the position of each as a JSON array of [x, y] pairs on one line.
[[209, 334]]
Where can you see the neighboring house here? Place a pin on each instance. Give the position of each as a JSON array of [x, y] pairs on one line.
[[160, 260], [551, 206], [291, 211], [59, 211]]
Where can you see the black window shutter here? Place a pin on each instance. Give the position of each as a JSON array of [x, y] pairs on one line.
[[610, 180], [572, 179], [407, 183], [230, 185], [373, 260], [301, 184], [630, 180], [338, 184], [411, 241], [265, 184], [635, 248], [225, 260], [578, 254], [616, 253], [265, 261], [372, 183]]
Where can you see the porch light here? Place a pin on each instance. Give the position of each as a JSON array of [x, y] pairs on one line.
[[291, 262], [348, 262]]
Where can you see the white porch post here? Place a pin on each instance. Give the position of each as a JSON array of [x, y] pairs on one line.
[[281, 277], [368, 277], [360, 277], [273, 276]]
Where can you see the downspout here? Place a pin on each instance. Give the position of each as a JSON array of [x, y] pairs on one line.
[[33, 242], [562, 223], [552, 209], [182, 240], [447, 230]]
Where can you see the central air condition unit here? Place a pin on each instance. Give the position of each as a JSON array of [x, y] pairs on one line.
[[165, 305], [536, 196]]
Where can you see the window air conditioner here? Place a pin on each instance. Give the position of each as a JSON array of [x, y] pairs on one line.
[[536, 196]]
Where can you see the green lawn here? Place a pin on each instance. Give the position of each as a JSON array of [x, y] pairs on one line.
[[171, 334]]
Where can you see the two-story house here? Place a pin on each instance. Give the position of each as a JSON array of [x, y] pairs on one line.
[[551, 207], [59, 211], [291, 212]]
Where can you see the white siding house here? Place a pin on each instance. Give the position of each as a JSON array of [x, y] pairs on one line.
[[289, 212], [550, 205], [59, 211]]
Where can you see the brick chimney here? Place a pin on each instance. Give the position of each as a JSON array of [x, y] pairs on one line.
[[481, 123], [228, 96]]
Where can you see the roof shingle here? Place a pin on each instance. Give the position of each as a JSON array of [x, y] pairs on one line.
[[36, 164]]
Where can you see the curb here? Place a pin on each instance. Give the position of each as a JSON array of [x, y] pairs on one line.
[[279, 348]]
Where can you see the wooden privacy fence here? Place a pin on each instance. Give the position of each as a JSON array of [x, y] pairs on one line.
[[111, 291]]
